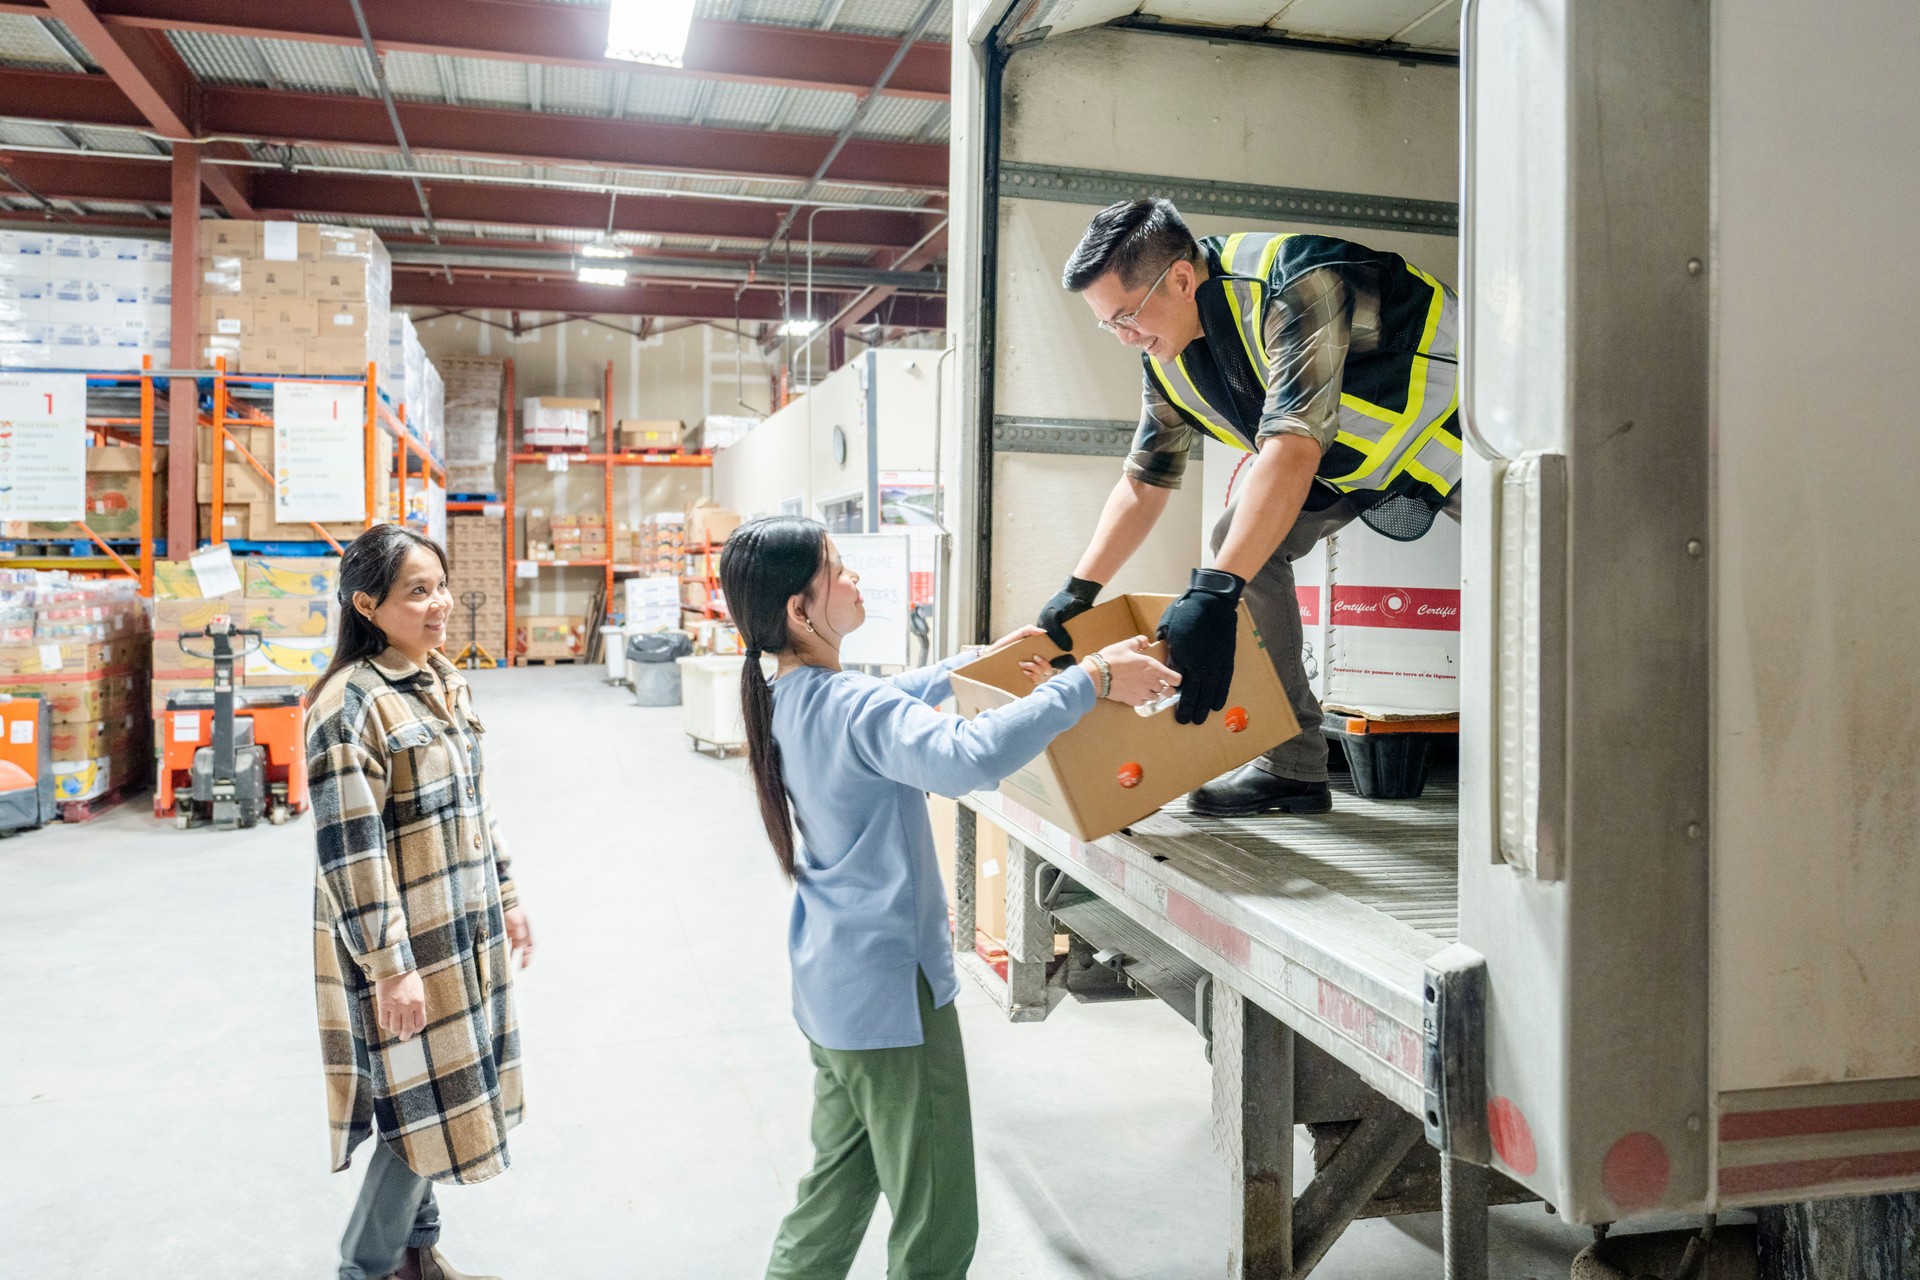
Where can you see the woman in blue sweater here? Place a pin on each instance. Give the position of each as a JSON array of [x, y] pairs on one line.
[[846, 758]]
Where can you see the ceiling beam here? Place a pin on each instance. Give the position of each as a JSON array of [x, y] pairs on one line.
[[479, 292], [528, 137], [273, 192], [922, 255], [144, 67], [563, 35]]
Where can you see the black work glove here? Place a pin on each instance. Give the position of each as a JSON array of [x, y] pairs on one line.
[[1200, 628], [1068, 602]]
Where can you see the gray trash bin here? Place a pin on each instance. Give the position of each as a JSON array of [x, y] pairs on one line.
[[651, 669]]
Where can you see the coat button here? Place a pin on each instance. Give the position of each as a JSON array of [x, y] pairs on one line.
[[469, 791], [476, 839]]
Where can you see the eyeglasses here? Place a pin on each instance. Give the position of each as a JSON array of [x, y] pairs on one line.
[[1131, 320]]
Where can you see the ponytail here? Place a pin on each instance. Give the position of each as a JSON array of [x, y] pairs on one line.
[[764, 564], [763, 757]]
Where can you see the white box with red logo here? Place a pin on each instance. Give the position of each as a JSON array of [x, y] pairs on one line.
[[1380, 621]]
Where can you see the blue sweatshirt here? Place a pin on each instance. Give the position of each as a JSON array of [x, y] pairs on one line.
[[869, 913]]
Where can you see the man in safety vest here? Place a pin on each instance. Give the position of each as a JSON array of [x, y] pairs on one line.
[[1333, 365]]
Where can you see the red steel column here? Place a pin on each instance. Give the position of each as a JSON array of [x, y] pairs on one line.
[[182, 398]]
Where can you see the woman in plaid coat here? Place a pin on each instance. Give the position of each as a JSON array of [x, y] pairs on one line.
[[415, 913]]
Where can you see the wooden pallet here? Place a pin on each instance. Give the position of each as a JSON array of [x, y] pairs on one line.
[[88, 810]]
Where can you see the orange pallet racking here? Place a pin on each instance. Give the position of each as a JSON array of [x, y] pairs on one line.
[[608, 458]]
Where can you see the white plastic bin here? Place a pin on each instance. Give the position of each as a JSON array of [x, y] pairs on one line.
[[710, 702], [615, 639]]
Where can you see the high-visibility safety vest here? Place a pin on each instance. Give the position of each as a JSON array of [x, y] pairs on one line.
[[1397, 431]]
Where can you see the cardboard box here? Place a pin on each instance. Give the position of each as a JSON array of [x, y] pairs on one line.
[[334, 280], [1116, 767], [550, 637], [83, 779], [298, 660], [77, 740], [332, 354], [263, 280], [226, 315], [289, 317], [558, 421], [344, 243], [709, 522], [73, 660], [310, 616], [113, 496], [277, 577], [227, 237], [174, 580], [340, 318], [651, 433], [90, 698]]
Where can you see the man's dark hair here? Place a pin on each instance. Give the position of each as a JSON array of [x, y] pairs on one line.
[[1135, 239]]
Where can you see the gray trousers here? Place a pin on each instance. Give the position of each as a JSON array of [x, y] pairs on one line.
[[396, 1212], [1275, 607]]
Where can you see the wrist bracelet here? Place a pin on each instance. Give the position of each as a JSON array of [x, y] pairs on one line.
[[1106, 673]]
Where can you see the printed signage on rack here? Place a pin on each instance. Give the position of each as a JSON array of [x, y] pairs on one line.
[[319, 452], [43, 446]]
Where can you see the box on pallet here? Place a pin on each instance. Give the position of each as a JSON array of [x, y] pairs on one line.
[[471, 407], [709, 522], [276, 577], [286, 298], [652, 604], [550, 637], [1380, 621], [294, 616], [86, 301], [558, 421], [113, 498], [1114, 766], [651, 433]]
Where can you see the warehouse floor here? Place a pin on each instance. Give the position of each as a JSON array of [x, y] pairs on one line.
[[161, 1110]]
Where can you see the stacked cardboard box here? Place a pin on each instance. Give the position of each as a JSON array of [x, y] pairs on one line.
[[284, 297], [408, 379], [290, 602], [247, 495], [558, 421], [113, 498], [472, 411], [84, 301], [477, 548], [580, 537], [662, 544], [625, 544], [652, 604], [80, 646]]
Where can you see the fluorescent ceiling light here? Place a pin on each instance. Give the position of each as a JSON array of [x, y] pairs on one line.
[[653, 31], [602, 275], [798, 328], [604, 247]]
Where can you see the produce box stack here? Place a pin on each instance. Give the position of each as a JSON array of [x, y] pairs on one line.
[[477, 547], [472, 411], [81, 646], [709, 523], [290, 602], [287, 297], [580, 537], [84, 301], [113, 498], [719, 431], [625, 544], [662, 545]]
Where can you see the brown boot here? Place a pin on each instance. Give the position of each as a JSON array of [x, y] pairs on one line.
[[427, 1264]]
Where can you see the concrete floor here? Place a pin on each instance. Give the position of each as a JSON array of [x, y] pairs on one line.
[[161, 1112]]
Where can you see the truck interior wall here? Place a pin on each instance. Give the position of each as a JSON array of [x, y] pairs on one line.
[[1127, 101], [1816, 956]]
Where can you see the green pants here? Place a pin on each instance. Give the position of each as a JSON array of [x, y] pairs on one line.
[[896, 1121]]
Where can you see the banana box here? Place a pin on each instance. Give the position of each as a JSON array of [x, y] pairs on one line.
[[82, 779], [309, 616], [274, 577], [175, 580], [77, 741], [289, 660]]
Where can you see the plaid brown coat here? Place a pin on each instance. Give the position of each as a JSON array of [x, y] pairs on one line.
[[413, 875]]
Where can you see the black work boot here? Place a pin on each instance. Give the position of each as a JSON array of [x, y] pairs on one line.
[[1250, 790]]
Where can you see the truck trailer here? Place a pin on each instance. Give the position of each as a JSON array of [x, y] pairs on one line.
[[1648, 947]]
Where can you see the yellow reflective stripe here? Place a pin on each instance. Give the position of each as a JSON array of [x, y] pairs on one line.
[[1271, 252], [1398, 423], [1255, 346], [1436, 433], [1231, 249], [1204, 419], [1420, 473]]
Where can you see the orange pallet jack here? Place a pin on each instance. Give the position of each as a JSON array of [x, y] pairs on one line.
[[231, 756], [26, 764]]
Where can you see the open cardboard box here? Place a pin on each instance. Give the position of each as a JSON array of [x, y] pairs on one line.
[[1116, 766]]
